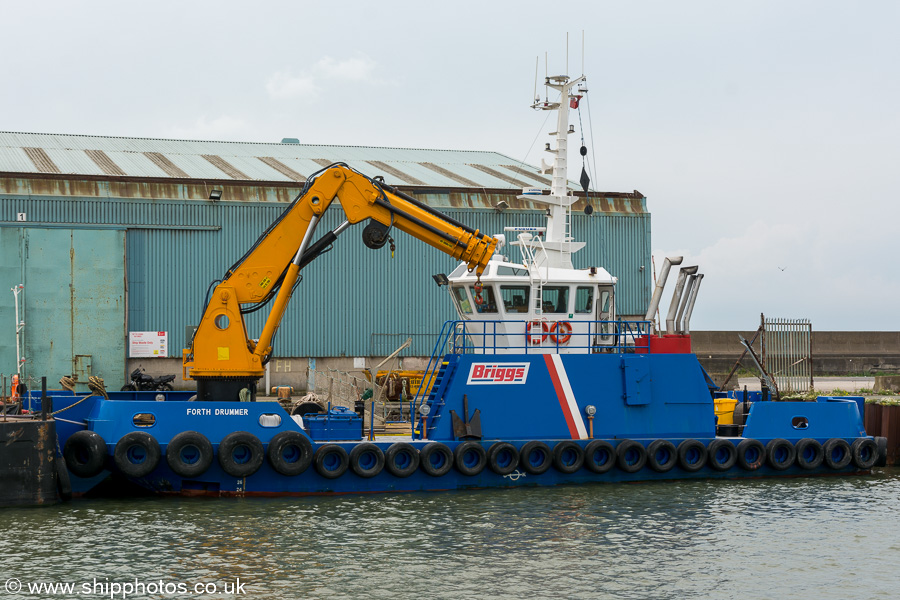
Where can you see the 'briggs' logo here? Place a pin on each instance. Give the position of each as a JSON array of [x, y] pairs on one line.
[[493, 373]]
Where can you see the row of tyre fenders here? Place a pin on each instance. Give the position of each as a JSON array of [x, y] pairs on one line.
[[241, 454]]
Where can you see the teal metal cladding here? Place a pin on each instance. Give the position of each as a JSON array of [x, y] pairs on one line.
[[352, 301]]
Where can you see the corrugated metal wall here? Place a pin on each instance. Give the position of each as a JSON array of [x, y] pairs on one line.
[[353, 301]]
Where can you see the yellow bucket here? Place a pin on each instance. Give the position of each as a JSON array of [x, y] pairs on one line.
[[725, 410]]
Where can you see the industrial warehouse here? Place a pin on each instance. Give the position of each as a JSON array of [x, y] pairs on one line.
[[108, 247]]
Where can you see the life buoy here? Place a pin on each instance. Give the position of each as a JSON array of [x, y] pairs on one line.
[[189, 454], [561, 332], [137, 454], [535, 339], [240, 454]]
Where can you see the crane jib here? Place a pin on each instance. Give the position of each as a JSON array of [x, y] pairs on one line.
[[418, 222], [428, 209]]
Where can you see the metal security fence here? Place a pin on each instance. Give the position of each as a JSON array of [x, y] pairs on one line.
[[787, 353]]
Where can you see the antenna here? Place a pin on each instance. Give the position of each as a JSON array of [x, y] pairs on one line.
[[546, 79], [567, 53], [537, 60], [582, 51]]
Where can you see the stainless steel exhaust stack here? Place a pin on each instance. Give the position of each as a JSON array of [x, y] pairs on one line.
[[676, 297], [689, 285], [660, 284], [691, 301]]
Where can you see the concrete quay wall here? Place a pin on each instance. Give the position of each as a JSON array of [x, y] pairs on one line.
[[833, 352]]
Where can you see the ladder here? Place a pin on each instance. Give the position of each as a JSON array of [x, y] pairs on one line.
[[438, 390], [536, 277]]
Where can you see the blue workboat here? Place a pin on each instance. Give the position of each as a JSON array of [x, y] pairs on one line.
[[538, 381]]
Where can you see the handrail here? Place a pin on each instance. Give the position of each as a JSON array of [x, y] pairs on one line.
[[492, 336], [434, 364]]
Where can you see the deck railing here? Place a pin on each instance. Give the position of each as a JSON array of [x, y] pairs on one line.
[[543, 337], [511, 337]]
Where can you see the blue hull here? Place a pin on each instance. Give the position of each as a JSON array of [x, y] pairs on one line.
[[661, 402]]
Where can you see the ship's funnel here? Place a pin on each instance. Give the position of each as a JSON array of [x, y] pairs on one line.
[[660, 285]]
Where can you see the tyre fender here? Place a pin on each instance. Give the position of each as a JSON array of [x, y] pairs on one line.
[[568, 457], [809, 453], [137, 454], [366, 460], [401, 459], [240, 454], [692, 455], [662, 455], [751, 454], [290, 453], [189, 454], [503, 458], [85, 453], [864, 452], [722, 455], [470, 458], [535, 457], [837, 453], [436, 459], [599, 456], [631, 456]]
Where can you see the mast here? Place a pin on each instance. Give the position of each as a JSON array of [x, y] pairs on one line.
[[559, 245]]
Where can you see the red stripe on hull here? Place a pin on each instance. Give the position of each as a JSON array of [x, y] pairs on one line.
[[561, 396]]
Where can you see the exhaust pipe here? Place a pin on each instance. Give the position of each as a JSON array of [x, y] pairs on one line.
[[660, 284], [688, 287], [676, 297], [691, 301]]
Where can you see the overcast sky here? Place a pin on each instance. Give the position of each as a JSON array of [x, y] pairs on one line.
[[764, 134]]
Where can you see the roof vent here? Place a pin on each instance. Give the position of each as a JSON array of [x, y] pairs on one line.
[[290, 141]]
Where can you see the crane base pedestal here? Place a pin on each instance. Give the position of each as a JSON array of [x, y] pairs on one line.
[[226, 389]]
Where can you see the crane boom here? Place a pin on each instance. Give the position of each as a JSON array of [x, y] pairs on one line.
[[223, 358]]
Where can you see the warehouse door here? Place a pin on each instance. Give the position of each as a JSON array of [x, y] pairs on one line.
[[73, 303]]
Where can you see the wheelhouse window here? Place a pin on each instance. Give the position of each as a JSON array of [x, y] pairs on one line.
[[555, 299], [515, 298], [489, 304], [462, 300], [459, 270], [584, 300]]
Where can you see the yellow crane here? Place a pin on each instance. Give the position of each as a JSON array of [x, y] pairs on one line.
[[224, 360]]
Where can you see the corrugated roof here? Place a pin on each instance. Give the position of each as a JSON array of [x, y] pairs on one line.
[[42, 153]]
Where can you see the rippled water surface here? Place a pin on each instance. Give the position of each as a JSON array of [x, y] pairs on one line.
[[833, 537]]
